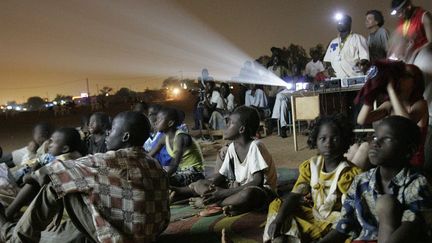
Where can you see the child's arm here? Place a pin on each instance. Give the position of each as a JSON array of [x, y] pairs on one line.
[[158, 146], [24, 197], [367, 115], [290, 202], [181, 143], [417, 111], [220, 193]]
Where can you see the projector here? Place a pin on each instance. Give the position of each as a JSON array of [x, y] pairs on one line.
[[331, 83], [358, 81]]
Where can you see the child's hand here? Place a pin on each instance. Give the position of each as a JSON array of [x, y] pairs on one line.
[[32, 147], [216, 195], [307, 200], [274, 229]]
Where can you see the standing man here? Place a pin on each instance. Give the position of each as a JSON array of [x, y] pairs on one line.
[[378, 35], [348, 51], [415, 28]]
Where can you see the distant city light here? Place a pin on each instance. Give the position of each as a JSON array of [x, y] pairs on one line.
[[9, 107], [18, 108], [176, 91], [84, 95]]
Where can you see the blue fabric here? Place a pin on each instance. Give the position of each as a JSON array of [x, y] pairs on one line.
[[162, 156]]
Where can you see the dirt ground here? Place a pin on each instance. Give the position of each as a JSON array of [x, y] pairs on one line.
[[15, 132]]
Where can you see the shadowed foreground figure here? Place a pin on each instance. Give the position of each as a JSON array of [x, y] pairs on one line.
[[392, 202], [118, 196]]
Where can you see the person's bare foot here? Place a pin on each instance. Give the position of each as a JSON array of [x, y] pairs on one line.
[[196, 202], [231, 210]]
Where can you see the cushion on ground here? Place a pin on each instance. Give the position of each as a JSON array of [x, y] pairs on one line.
[[186, 226]]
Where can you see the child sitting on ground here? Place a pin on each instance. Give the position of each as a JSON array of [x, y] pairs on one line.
[[392, 202], [98, 126], [247, 165], [162, 156], [64, 144], [35, 148], [187, 163], [83, 129], [306, 213]]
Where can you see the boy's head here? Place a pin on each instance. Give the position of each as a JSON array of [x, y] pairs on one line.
[[244, 121], [42, 132], [396, 140], [129, 129], [331, 135], [64, 140], [84, 123], [153, 110], [99, 123], [141, 107], [167, 118]]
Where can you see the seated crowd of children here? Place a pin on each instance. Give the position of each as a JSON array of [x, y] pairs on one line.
[[113, 180]]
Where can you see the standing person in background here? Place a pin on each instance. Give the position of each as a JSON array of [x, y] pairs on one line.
[[415, 30], [378, 35], [348, 51], [217, 118], [314, 66]]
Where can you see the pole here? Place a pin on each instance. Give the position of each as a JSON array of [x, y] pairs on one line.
[[88, 89]]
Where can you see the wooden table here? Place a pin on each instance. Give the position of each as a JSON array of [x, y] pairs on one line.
[[307, 105]]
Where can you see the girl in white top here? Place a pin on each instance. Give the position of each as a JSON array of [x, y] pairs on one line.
[[247, 164]]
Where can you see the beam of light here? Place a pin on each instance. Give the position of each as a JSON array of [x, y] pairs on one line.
[[122, 39], [393, 12]]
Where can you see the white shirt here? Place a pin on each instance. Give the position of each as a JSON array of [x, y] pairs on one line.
[[257, 100], [257, 159], [344, 56], [216, 98], [312, 68], [230, 102]]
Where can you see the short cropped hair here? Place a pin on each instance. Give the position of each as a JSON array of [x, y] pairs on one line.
[[137, 125], [407, 130], [104, 119], [341, 122], [347, 18], [378, 16], [46, 129], [172, 114], [71, 138], [249, 118]]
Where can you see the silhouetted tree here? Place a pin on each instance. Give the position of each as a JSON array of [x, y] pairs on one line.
[[60, 97], [35, 103], [105, 90], [319, 49], [170, 82]]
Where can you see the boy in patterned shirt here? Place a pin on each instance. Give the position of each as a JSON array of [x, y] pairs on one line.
[[392, 202], [117, 196]]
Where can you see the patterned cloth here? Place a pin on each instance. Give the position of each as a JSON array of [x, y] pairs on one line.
[[359, 218], [126, 192]]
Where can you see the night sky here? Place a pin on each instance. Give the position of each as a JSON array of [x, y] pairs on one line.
[[50, 47]]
